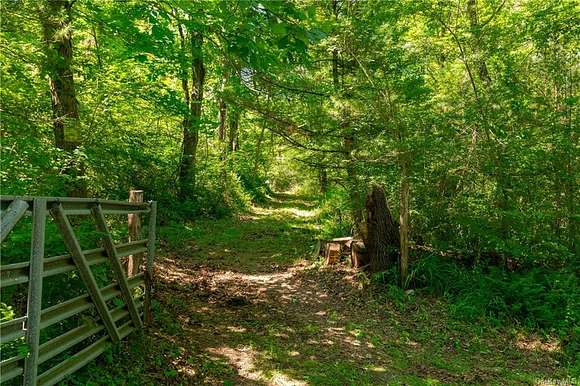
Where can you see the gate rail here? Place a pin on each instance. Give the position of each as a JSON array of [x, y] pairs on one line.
[[39, 267]]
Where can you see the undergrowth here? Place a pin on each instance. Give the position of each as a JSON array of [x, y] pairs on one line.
[[334, 219], [534, 296], [538, 300]]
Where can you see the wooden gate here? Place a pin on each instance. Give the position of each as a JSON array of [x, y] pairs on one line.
[[120, 306]]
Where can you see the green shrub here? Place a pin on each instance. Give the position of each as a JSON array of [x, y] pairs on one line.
[[335, 221], [537, 298], [255, 185]]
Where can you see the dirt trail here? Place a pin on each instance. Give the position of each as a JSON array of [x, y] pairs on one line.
[[256, 313], [237, 305]]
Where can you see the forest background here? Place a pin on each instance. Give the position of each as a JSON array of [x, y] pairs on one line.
[[465, 111]]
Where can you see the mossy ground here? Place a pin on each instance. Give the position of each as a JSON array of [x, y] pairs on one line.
[[243, 302]]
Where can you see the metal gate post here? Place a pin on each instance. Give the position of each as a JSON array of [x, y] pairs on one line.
[[149, 267], [35, 291]]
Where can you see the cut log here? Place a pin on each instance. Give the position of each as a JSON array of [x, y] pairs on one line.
[[382, 239], [342, 240], [332, 253]]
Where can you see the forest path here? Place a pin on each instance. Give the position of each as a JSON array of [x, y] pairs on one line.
[[251, 310], [238, 303]]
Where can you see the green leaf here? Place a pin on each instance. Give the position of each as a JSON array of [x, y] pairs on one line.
[[279, 29]]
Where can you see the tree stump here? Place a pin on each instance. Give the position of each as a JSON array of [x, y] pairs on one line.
[[382, 236], [358, 254]]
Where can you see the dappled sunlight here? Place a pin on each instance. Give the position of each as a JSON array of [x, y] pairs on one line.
[[262, 241], [327, 342], [237, 329], [523, 342], [284, 380], [300, 209], [268, 278], [301, 212], [247, 217], [172, 272], [241, 318], [243, 359]]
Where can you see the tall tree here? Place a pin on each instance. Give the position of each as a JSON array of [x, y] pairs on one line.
[[233, 130], [349, 137], [57, 32], [193, 96]]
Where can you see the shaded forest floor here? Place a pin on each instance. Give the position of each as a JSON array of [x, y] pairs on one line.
[[240, 302]]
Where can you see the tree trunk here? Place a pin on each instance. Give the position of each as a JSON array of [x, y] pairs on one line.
[[191, 123], [480, 60], [335, 77], [233, 128], [222, 115], [382, 236], [502, 178], [404, 222], [353, 192], [348, 141], [323, 179], [57, 34], [571, 188], [258, 155], [187, 172]]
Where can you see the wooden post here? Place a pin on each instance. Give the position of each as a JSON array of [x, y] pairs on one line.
[[134, 261], [34, 307], [150, 256]]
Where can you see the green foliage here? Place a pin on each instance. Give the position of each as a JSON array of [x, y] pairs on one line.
[[285, 175], [335, 218], [6, 312], [474, 103], [253, 182], [536, 298]]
